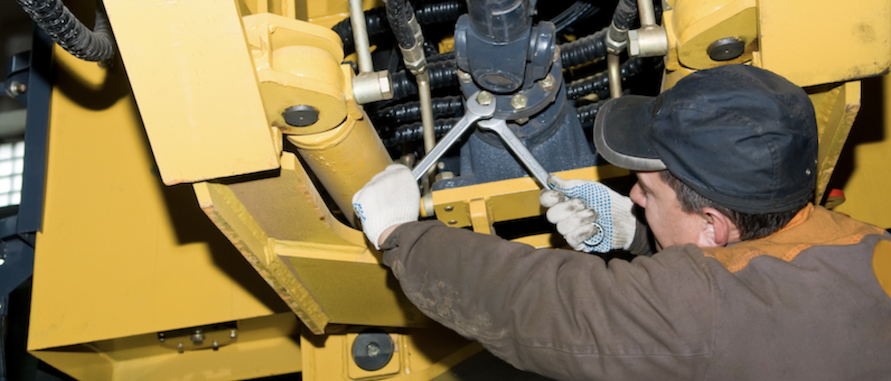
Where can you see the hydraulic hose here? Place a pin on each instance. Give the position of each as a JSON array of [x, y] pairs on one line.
[[442, 74], [588, 113], [599, 83], [586, 49], [415, 131], [410, 112], [64, 28], [625, 14], [377, 26]]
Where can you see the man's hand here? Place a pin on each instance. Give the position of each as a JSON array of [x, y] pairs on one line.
[[390, 198], [589, 215]]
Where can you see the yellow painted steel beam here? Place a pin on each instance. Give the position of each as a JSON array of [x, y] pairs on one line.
[[507, 200], [864, 172], [323, 269], [420, 354], [263, 347], [121, 257], [836, 107], [194, 81], [825, 41]]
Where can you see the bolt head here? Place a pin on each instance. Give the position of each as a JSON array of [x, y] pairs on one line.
[[15, 88], [518, 101], [449, 208], [301, 115], [485, 98], [464, 76], [547, 84]]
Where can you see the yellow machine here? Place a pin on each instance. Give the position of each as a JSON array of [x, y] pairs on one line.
[[192, 230]]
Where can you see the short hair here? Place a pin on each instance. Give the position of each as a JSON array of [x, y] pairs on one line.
[[751, 226]]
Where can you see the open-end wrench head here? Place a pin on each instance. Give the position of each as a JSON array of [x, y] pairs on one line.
[[474, 107]]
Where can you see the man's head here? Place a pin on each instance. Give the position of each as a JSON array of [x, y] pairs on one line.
[[741, 137]]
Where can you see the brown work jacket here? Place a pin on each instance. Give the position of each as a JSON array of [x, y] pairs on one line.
[[802, 304]]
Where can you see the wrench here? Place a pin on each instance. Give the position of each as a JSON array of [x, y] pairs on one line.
[[513, 143], [499, 126], [473, 111]]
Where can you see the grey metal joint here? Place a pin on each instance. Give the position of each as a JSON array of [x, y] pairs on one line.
[[616, 40], [414, 57], [372, 87]]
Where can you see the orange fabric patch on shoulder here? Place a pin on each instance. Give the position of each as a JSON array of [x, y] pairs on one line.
[[881, 265], [812, 226]]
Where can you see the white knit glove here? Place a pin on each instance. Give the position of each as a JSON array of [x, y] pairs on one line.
[[589, 215], [389, 198]]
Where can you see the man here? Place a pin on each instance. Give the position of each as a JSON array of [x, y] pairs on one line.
[[752, 281]]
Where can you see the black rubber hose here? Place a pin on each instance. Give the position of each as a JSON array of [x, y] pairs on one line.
[[625, 14], [64, 28], [410, 112], [599, 83], [398, 14], [586, 49], [442, 74]]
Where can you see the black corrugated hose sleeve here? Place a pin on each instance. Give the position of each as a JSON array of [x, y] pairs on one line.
[[586, 49], [625, 14], [442, 74], [375, 23], [64, 28], [599, 83], [415, 131], [588, 113], [410, 112]]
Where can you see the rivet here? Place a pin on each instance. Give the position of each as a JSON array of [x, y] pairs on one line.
[[449, 208], [453, 222]]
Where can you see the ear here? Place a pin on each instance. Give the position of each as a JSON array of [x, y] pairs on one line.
[[718, 229]]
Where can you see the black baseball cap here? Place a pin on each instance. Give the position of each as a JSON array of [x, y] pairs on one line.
[[738, 135]]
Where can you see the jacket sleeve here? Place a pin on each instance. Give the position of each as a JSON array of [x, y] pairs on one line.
[[559, 313]]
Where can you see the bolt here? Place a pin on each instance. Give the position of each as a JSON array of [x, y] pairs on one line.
[[301, 115], [449, 208], [197, 338], [215, 345], [161, 337], [464, 76], [232, 334], [556, 53], [15, 88], [372, 349], [179, 346], [518, 101], [452, 222], [485, 98], [521, 121], [547, 84]]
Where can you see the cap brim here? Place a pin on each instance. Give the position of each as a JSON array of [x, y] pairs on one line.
[[621, 132]]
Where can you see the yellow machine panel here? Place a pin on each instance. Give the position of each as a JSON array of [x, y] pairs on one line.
[[192, 232]]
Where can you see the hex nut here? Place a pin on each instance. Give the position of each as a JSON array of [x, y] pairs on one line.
[[518, 101], [485, 98], [464, 76], [547, 83]]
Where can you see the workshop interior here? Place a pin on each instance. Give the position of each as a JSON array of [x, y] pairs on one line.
[[176, 176]]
